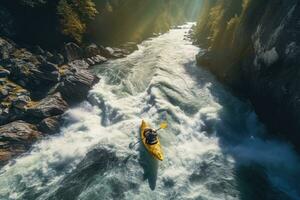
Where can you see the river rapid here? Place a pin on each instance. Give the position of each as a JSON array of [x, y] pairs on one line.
[[215, 147]]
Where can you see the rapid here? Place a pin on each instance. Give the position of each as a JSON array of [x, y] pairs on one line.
[[215, 147]]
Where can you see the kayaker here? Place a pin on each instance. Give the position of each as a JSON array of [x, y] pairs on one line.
[[151, 136]]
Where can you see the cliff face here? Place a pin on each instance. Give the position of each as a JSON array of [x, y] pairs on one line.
[[253, 46]]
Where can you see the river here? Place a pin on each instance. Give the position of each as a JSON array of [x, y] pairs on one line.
[[215, 147]]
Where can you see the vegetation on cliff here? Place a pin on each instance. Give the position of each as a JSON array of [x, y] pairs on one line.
[[50, 23], [253, 46]]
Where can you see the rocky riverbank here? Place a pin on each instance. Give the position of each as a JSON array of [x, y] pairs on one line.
[[38, 86], [253, 47]]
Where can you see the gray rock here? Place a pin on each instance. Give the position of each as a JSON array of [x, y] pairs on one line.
[[76, 85], [16, 138], [38, 50], [57, 58], [99, 59], [48, 67], [21, 101], [92, 50], [82, 64], [90, 61], [50, 125], [73, 52], [3, 93], [6, 48], [4, 72], [50, 106]]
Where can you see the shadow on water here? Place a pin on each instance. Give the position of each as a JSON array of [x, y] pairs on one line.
[[243, 137], [150, 166]]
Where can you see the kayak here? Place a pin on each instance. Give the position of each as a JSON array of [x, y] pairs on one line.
[[155, 150]]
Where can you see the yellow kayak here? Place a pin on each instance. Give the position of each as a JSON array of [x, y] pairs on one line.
[[155, 150]]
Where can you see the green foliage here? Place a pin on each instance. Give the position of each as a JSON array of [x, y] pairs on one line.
[[74, 15]]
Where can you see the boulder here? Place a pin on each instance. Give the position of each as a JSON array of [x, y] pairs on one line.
[[92, 50], [50, 125], [76, 84], [16, 138], [82, 64], [57, 58], [14, 99], [90, 61], [98, 59], [50, 106], [38, 50], [6, 48], [48, 67], [4, 72], [73, 52]]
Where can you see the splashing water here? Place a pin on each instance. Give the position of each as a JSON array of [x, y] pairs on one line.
[[215, 148]]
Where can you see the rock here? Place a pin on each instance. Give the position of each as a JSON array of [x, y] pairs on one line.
[[48, 55], [4, 72], [98, 59], [16, 138], [79, 64], [76, 84], [50, 125], [3, 93], [107, 53], [14, 99], [6, 48], [92, 50], [32, 72], [57, 58], [50, 106], [90, 61], [48, 67], [21, 101], [38, 50], [73, 52]]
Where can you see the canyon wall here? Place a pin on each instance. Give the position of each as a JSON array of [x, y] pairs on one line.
[[253, 47]]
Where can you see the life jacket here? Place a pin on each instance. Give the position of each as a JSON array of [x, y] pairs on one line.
[[151, 137]]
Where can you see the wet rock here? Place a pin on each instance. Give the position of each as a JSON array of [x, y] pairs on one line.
[[48, 67], [98, 59], [3, 93], [73, 52], [76, 84], [38, 50], [90, 61], [92, 50], [97, 162], [13, 101], [79, 64], [57, 58], [16, 138], [20, 101], [50, 125], [4, 72], [50, 106], [6, 48]]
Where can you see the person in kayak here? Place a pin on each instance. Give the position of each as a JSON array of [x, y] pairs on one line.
[[151, 136]]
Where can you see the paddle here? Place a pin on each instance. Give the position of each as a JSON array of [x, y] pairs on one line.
[[163, 125]]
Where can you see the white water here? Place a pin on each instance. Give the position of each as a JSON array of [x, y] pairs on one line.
[[215, 148]]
